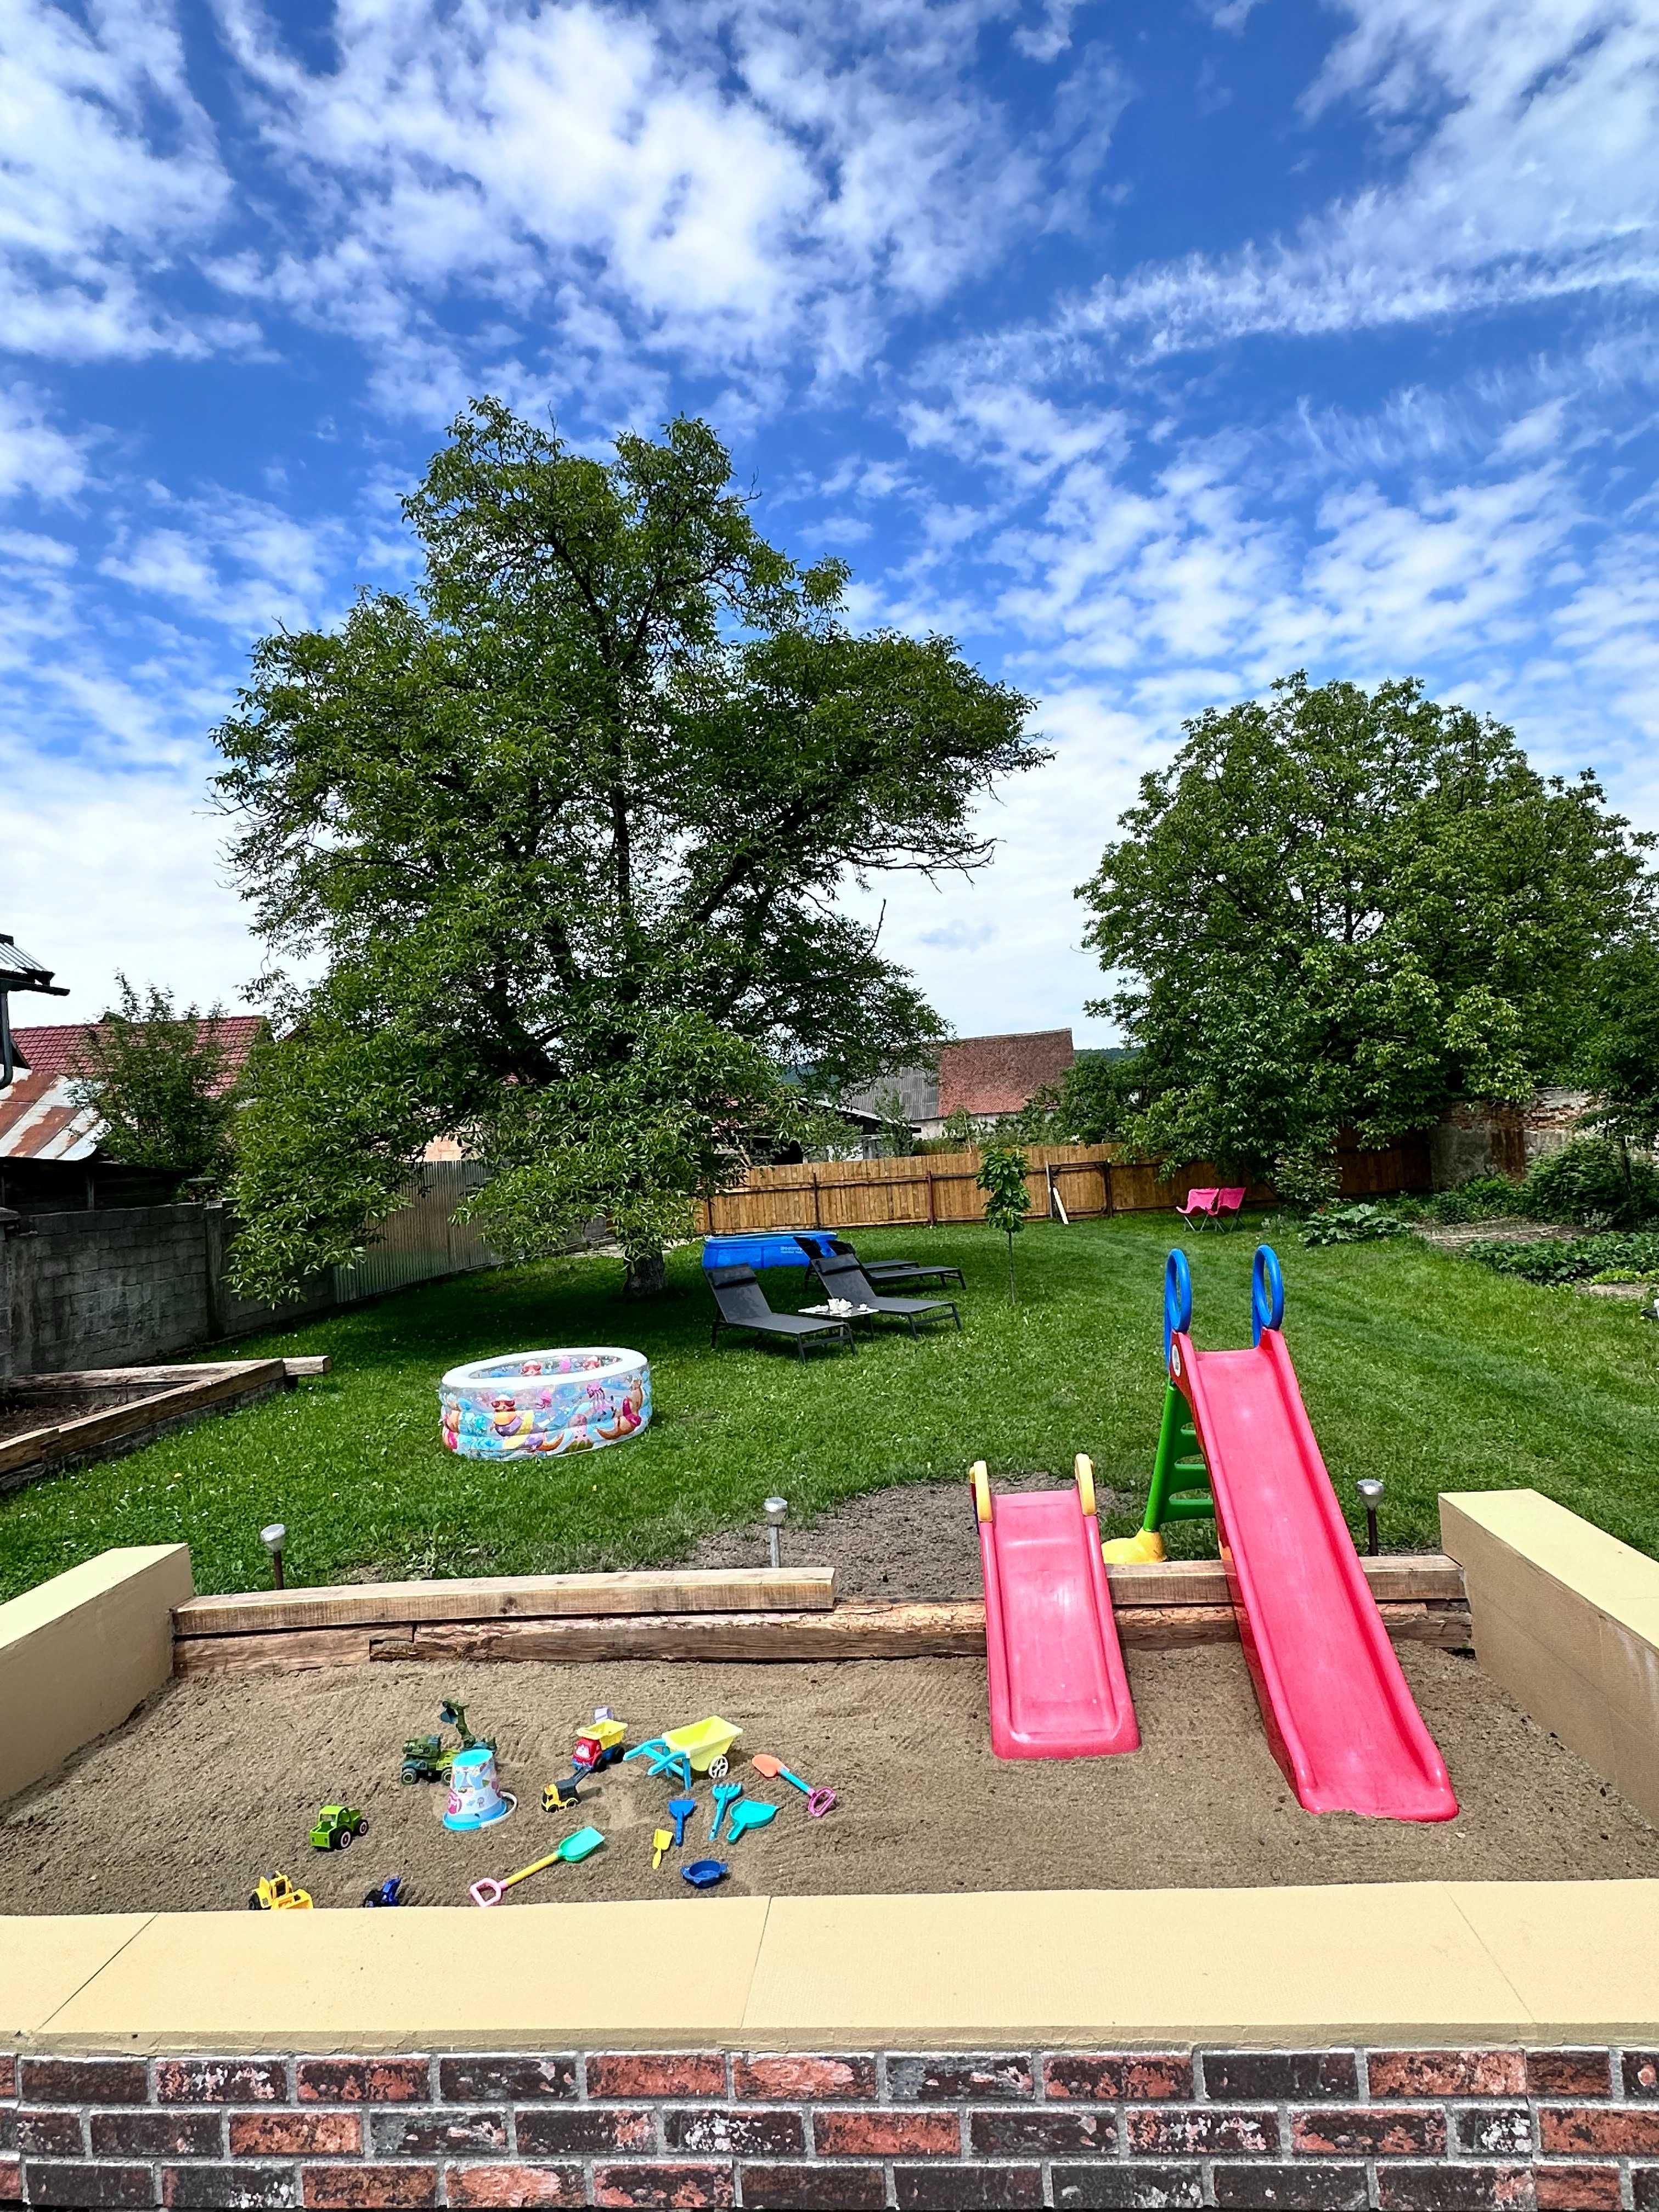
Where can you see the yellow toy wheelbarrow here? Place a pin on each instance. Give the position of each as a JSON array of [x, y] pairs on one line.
[[701, 1748]]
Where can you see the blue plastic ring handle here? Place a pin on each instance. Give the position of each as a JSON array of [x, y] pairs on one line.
[[1267, 1292], [1177, 1298]]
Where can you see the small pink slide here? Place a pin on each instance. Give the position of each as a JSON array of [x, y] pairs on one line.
[[1058, 1687]]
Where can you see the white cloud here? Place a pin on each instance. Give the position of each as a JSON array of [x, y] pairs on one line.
[[37, 459], [110, 171], [241, 562]]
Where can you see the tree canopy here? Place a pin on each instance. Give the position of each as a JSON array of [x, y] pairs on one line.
[[1338, 908], [159, 1077], [564, 830]]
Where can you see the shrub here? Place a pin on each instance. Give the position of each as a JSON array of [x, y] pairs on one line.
[[1589, 1177], [1616, 1255], [1352, 1225]]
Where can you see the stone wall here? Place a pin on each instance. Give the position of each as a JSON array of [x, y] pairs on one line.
[[1410, 2130]]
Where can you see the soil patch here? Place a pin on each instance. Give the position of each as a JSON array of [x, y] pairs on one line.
[[50, 1409], [218, 1781], [919, 1541], [1452, 1236]]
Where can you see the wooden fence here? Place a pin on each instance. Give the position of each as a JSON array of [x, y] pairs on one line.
[[940, 1188]]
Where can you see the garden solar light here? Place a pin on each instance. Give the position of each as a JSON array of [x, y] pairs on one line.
[[1370, 1496], [273, 1539], [775, 1508]]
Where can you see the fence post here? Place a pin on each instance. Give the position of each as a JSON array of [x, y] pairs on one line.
[[932, 1215], [817, 1203]]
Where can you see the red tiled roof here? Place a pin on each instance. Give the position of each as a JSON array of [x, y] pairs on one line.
[[1001, 1075], [39, 1119], [60, 1048]]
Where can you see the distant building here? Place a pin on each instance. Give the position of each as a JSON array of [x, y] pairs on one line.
[[983, 1077], [49, 1145]]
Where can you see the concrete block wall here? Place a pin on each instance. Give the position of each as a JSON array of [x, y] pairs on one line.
[[106, 1289]]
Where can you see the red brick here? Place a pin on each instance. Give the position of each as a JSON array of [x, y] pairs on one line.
[[1041, 2131], [296, 2135], [1448, 2073], [579, 2131], [1495, 2130], [688, 2185], [814, 2188], [1577, 2188], [221, 2080], [764, 2135], [488, 2081], [1612, 2131], [384, 2188], [1117, 2188], [913, 2078], [515, 2185], [1454, 2188], [1569, 2073], [657, 2074], [1335, 2132], [1247, 2077], [966, 2188], [1301, 2188], [229, 2188], [362, 2081], [11, 2181], [1642, 2073], [1111, 2078], [49, 2135], [396, 2132], [887, 2134], [87, 2188], [158, 2135], [1200, 2131], [7, 2076], [1644, 2186], [786, 2080], [84, 2082]]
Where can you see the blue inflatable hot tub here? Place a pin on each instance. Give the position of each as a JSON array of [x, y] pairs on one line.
[[761, 1247]]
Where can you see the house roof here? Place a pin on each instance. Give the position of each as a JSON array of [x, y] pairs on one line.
[[39, 1118], [1001, 1075]]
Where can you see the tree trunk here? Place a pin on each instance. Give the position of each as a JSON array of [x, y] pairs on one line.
[[1010, 1267], [646, 1275]]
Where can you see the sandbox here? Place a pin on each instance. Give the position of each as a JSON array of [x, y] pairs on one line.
[[220, 1778]]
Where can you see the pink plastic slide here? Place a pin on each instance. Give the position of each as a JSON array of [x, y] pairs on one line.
[[1058, 1687], [1339, 1718]]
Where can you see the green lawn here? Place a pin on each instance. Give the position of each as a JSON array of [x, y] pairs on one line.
[[1421, 1368]]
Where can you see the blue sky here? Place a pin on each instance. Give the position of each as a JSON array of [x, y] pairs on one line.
[[1150, 349]]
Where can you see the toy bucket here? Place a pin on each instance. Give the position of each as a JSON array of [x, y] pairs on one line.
[[475, 1800]]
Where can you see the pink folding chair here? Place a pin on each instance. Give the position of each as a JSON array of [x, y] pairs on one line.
[[1229, 1203], [1199, 1208]]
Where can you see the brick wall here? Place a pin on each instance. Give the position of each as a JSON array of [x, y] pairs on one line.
[[1413, 2130]]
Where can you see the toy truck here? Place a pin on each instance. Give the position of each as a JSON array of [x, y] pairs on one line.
[[599, 1745], [428, 1759], [276, 1894], [337, 1828]]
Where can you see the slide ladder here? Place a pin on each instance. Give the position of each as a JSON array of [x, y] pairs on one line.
[[1057, 1685], [1341, 1722]]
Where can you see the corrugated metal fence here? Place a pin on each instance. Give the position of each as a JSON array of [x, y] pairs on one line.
[[418, 1240]]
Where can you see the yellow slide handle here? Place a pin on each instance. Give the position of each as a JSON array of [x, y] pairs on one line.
[[1083, 1468], [980, 1476]]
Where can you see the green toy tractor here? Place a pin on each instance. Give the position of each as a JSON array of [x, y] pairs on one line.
[[337, 1828], [428, 1759]]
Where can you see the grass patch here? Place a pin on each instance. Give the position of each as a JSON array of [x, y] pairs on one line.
[[1416, 1366]]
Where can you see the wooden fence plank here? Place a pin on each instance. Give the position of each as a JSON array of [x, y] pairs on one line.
[[525, 1597]]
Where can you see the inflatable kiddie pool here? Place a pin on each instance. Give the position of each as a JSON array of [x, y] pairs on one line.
[[554, 1402]]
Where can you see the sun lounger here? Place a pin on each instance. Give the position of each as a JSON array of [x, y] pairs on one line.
[[742, 1304], [843, 1278], [886, 1274]]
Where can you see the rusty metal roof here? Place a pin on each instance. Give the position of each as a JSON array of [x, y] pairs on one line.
[[39, 1119]]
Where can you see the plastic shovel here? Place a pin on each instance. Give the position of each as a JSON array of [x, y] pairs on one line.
[[818, 1802], [751, 1814], [579, 1845], [680, 1810]]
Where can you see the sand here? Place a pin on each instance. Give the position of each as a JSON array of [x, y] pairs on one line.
[[217, 1781]]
